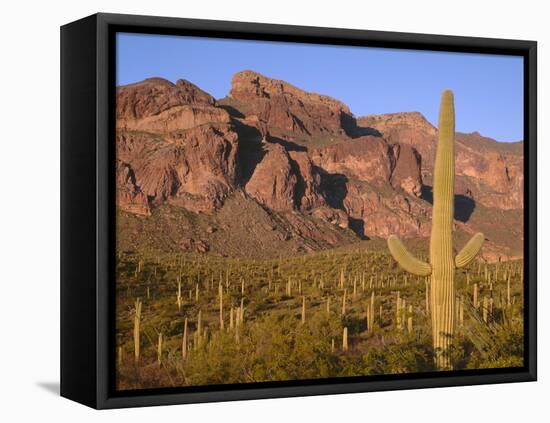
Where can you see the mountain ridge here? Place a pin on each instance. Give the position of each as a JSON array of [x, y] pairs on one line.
[[304, 155]]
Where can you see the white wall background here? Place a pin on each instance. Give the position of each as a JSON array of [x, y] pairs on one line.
[[29, 209]]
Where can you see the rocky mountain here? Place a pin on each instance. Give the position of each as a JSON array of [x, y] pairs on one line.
[[487, 171], [297, 171]]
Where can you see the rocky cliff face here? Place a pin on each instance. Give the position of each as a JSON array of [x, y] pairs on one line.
[[406, 173], [287, 109], [365, 158], [490, 173], [181, 147], [155, 95], [195, 168], [306, 161], [129, 196], [274, 181]]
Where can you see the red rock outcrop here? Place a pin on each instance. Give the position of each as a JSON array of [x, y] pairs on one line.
[[195, 169], [206, 166], [373, 169], [181, 147], [308, 190], [383, 213], [129, 196], [366, 158], [155, 95], [288, 108], [334, 216], [487, 171], [406, 173], [175, 118], [274, 180], [405, 128], [286, 180], [158, 106], [491, 173]]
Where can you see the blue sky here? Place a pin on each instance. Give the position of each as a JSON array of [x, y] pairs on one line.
[[488, 88]]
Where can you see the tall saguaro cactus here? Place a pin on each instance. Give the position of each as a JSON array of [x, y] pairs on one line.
[[442, 263]]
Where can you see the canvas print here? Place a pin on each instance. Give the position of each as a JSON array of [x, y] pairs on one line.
[[290, 212]]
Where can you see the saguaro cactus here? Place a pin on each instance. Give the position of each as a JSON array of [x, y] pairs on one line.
[[344, 302], [442, 263], [178, 295], [137, 322], [220, 294], [303, 309], [184, 341], [199, 331], [159, 349], [345, 339]]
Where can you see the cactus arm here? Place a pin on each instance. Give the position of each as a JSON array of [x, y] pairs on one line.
[[470, 250], [406, 260]]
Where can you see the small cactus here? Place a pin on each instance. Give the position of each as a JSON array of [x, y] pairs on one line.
[[427, 296], [220, 294], [398, 306], [184, 340], [508, 290], [371, 312], [159, 349], [345, 339], [199, 324], [241, 313], [178, 295], [461, 313], [344, 300], [288, 288], [137, 322]]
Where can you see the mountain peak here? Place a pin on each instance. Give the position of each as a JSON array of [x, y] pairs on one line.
[[249, 83], [155, 95], [414, 119]]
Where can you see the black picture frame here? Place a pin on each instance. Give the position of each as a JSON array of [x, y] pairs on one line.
[[88, 199]]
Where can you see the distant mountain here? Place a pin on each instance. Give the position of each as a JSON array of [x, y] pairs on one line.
[[271, 169]]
